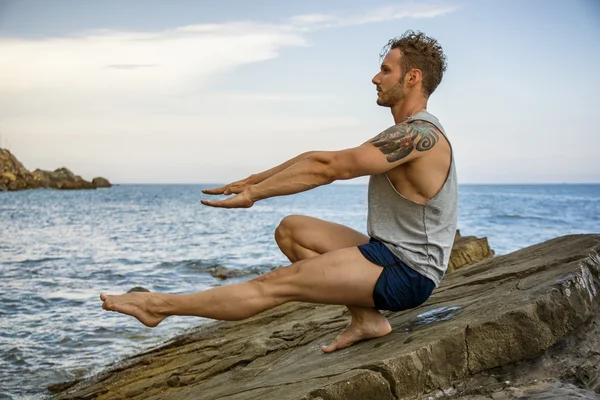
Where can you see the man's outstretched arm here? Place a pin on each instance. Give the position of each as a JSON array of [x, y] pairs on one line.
[[307, 173], [395, 146], [241, 185]]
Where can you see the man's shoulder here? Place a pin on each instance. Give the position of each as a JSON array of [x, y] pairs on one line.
[[425, 119]]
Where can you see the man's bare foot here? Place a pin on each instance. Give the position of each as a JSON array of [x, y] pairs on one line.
[[143, 306], [369, 326]]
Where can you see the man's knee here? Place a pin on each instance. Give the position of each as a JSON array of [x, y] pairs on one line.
[[285, 230], [277, 275], [279, 284]]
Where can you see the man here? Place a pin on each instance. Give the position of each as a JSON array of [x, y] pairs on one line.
[[411, 217]]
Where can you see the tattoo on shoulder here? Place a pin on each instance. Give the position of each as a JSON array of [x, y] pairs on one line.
[[399, 141]]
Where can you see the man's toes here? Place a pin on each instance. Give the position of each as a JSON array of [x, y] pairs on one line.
[[331, 347], [328, 349], [102, 296], [108, 305]]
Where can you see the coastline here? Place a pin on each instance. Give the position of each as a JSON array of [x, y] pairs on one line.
[[15, 177]]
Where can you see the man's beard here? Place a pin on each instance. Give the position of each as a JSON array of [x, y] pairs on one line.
[[391, 96]]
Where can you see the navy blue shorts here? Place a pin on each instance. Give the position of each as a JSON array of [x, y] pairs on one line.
[[399, 287]]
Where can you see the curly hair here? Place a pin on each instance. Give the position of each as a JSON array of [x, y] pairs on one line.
[[419, 52]]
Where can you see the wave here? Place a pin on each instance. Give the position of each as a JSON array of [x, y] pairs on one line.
[[200, 265], [530, 217], [37, 261]]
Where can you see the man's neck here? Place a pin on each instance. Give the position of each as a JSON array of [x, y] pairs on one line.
[[408, 108]]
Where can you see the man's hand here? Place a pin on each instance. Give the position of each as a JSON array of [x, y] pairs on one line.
[[241, 200], [232, 188]]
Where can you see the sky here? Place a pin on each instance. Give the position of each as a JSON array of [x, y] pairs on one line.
[[194, 91]]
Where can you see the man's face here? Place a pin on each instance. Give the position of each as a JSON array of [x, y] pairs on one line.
[[389, 81]]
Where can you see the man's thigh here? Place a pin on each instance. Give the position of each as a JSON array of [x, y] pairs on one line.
[[321, 236], [337, 277]]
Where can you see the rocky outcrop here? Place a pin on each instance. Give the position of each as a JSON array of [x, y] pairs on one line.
[[13, 176], [62, 178], [518, 325], [100, 182], [223, 273], [468, 250]]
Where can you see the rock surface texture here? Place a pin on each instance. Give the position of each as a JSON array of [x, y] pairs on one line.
[[13, 176], [522, 325]]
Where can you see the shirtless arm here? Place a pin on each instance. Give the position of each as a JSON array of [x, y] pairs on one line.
[[389, 149]]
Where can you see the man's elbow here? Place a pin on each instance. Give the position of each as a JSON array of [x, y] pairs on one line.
[[335, 166], [324, 166]]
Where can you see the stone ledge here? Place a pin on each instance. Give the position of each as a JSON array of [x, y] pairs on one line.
[[496, 312]]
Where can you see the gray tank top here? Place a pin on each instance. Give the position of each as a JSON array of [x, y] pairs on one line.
[[420, 235]]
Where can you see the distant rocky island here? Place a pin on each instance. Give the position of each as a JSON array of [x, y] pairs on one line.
[[14, 176]]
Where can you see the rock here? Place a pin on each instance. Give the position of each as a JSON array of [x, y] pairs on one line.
[[468, 250], [13, 176], [62, 178], [100, 182], [222, 272], [9, 176], [75, 185], [41, 175], [492, 330], [59, 387], [547, 390], [60, 174], [137, 289]]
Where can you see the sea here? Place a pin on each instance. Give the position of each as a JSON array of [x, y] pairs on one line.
[[60, 249]]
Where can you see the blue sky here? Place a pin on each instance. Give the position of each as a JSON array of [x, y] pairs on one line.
[[205, 91]]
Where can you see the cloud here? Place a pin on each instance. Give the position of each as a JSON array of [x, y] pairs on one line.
[[168, 60], [139, 88], [310, 22], [131, 66], [311, 19], [273, 97]]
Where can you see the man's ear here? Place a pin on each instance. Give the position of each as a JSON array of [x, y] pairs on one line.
[[414, 76]]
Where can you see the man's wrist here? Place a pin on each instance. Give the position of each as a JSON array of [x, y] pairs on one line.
[[254, 194], [251, 180]]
